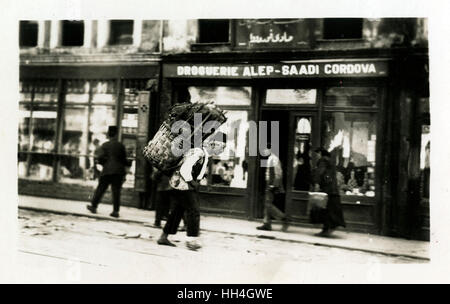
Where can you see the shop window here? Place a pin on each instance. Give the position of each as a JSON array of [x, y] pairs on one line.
[[223, 96], [28, 33], [291, 96], [121, 32], [37, 129], [342, 28], [72, 33], [89, 110], [230, 168], [213, 30], [355, 158], [351, 97]]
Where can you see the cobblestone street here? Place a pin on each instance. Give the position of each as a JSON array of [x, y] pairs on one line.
[[70, 248]]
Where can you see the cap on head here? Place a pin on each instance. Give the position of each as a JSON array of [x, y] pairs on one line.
[[112, 131]]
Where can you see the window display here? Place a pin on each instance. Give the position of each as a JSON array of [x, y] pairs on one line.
[[77, 91], [291, 96], [89, 107], [230, 168], [24, 127], [43, 126], [74, 143], [351, 96], [103, 91], [46, 92], [355, 160], [40, 167], [37, 128], [229, 96]]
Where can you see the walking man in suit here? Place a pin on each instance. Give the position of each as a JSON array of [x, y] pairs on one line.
[[112, 156]]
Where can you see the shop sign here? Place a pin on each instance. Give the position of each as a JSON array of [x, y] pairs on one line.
[[271, 33], [297, 70]]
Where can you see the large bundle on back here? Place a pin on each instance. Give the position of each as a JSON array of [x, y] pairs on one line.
[[159, 150]]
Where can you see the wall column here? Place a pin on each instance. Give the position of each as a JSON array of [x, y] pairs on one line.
[[55, 33], [102, 33]]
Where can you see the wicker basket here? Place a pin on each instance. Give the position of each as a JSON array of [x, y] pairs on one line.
[[159, 150]]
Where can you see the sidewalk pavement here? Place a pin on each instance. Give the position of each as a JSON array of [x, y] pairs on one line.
[[341, 238]]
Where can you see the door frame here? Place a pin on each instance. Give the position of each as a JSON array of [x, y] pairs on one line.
[[315, 142]]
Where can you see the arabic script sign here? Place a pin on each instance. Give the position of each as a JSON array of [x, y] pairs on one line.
[[271, 33], [367, 68]]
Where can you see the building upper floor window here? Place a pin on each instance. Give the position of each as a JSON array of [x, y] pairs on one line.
[[342, 28], [28, 33], [213, 31], [72, 33], [121, 32]]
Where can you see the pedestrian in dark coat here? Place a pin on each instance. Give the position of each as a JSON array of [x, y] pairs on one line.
[[325, 181], [112, 156]]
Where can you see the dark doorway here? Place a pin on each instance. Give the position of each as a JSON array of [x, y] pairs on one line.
[[282, 117]]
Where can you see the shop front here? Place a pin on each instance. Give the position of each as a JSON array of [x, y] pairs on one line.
[[300, 105], [65, 112]]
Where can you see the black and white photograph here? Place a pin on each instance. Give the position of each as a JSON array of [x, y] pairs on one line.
[[191, 144]]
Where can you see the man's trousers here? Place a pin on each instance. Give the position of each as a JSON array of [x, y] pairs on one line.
[[185, 203], [116, 181]]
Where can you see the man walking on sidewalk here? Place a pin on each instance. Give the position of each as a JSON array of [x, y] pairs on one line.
[[185, 183], [274, 188], [112, 156]]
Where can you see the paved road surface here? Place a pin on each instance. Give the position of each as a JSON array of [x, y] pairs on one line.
[[64, 248]]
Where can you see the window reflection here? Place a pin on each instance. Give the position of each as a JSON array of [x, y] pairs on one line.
[[351, 96], [291, 96], [230, 167], [355, 161], [221, 95]]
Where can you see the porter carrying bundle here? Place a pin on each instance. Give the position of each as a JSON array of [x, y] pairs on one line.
[[159, 150]]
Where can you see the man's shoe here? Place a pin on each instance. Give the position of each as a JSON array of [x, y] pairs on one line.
[[165, 242], [324, 233], [91, 208], [114, 214], [266, 227], [157, 224], [193, 245]]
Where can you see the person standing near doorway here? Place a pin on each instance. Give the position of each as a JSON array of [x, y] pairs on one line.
[[112, 156], [273, 189], [325, 181]]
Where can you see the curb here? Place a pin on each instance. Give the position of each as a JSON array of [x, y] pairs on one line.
[[107, 218]]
